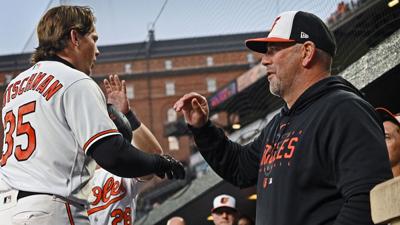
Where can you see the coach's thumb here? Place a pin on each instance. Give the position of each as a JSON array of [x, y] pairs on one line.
[[198, 108], [196, 105]]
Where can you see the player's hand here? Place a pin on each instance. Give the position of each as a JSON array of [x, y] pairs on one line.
[[194, 108], [116, 93], [170, 167]]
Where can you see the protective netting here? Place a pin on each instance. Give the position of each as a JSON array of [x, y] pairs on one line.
[[358, 26]]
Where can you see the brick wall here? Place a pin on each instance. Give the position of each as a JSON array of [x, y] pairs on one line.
[[153, 110], [178, 62]]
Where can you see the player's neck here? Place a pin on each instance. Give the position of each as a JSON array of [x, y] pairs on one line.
[[67, 56], [61, 60]]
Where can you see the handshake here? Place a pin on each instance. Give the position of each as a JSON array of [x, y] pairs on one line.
[[171, 167]]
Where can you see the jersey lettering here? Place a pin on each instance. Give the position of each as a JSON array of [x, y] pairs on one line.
[[120, 215], [21, 88], [9, 120], [23, 128], [42, 83], [111, 192], [39, 78], [30, 81], [15, 89], [52, 90]]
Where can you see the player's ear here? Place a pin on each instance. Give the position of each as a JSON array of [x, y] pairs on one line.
[[74, 37]]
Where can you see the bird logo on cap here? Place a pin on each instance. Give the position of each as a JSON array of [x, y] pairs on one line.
[[275, 21]]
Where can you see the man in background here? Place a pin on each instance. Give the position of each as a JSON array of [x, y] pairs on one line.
[[176, 220], [224, 210], [392, 137]]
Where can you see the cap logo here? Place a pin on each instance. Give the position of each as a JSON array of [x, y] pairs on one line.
[[224, 200], [304, 35], [276, 21]]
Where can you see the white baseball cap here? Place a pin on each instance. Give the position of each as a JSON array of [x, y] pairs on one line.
[[296, 27], [224, 201]]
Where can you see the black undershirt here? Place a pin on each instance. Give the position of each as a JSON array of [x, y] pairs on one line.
[[119, 157]]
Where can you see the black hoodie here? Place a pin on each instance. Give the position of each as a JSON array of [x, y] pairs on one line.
[[313, 164]]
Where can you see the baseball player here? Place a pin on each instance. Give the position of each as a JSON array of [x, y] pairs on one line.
[[56, 125], [119, 204]]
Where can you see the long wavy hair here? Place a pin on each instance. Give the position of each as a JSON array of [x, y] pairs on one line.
[[54, 28]]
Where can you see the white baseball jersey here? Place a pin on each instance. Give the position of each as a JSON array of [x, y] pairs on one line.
[[51, 116], [113, 199]]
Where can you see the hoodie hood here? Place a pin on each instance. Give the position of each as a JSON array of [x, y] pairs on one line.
[[318, 90]]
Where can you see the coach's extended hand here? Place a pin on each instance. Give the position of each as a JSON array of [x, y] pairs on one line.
[[194, 108]]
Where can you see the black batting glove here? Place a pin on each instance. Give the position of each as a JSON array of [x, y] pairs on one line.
[[170, 167]]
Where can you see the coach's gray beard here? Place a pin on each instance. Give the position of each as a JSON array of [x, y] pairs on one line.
[[275, 87]]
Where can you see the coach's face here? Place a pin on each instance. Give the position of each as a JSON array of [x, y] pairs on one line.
[[88, 52], [282, 61]]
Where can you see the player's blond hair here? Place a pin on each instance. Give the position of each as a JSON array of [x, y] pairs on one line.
[[54, 28]]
